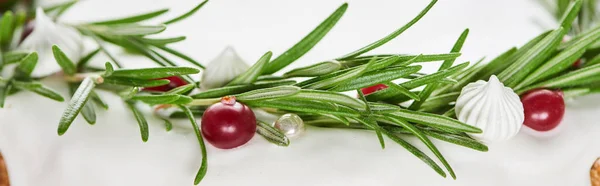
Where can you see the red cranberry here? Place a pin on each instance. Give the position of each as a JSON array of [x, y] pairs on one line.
[[228, 124], [544, 109], [372, 89], [578, 63], [174, 82]]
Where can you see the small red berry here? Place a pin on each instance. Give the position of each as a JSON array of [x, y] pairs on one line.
[[174, 82], [578, 63], [372, 89], [228, 124], [544, 109]]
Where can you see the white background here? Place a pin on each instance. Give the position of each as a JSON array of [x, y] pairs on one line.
[[111, 152]]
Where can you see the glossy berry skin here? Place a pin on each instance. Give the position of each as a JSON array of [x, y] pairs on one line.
[[228, 124], [372, 89], [544, 109], [175, 82]]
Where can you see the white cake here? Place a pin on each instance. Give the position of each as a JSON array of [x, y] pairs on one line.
[[112, 153]]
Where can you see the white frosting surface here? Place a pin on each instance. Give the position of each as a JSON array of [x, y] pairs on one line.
[[492, 107], [112, 153]]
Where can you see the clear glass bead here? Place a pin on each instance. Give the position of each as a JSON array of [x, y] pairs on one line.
[[290, 124]]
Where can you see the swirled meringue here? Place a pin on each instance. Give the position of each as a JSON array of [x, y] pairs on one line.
[[223, 69], [47, 33], [495, 109]]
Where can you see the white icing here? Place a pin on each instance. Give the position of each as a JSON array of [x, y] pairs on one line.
[[221, 70], [47, 33], [492, 107]]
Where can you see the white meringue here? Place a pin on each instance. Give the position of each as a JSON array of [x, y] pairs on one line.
[[47, 33], [495, 109], [223, 69]]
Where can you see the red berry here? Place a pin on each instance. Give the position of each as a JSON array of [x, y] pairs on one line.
[[228, 124], [544, 109], [372, 89], [174, 82], [578, 63]]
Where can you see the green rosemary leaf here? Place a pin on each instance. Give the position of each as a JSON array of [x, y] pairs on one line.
[[12, 57], [439, 101], [493, 67], [269, 78], [531, 59], [60, 6], [75, 105], [187, 14], [109, 69], [570, 14], [416, 152], [458, 140], [154, 73], [572, 78], [168, 125], [204, 165], [182, 100], [328, 97], [128, 93], [38, 88], [7, 27], [338, 79], [419, 134], [375, 77], [141, 120], [89, 113], [387, 38], [182, 89], [308, 106], [250, 75], [56, 14], [318, 69], [237, 89], [562, 60], [578, 92], [86, 59], [27, 64], [447, 64], [399, 89], [132, 19], [4, 91], [65, 63], [180, 55], [385, 62], [307, 43], [340, 119], [372, 124], [272, 134], [135, 82], [450, 113], [414, 83], [156, 99], [96, 98], [267, 93], [592, 61], [127, 29], [435, 121], [161, 41], [203, 102], [402, 58]]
